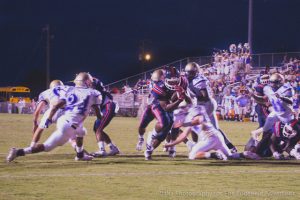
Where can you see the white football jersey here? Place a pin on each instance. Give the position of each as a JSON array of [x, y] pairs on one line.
[[200, 82], [206, 129], [51, 96], [79, 101], [282, 110]]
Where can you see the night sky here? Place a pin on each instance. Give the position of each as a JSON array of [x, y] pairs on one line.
[[104, 36]]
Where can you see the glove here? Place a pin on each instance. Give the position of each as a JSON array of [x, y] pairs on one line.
[[278, 156], [47, 123], [180, 92]]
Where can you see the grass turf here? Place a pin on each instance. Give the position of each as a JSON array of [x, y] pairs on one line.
[[55, 175]]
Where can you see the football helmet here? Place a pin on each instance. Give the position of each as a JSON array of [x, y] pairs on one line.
[[157, 75], [98, 85], [264, 79], [288, 131], [276, 80], [191, 70], [83, 79], [172, 78], [55, 83]]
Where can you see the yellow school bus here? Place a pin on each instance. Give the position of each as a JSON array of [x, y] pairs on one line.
[[14, 94]]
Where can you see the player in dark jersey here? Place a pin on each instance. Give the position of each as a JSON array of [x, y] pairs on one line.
[[167, 96], [262, 108], [284, 139], [107, 108], [157, 77]]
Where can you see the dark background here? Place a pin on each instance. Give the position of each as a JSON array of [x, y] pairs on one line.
[[104, 36]]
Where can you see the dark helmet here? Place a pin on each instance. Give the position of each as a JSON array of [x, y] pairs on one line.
[[172, 78]]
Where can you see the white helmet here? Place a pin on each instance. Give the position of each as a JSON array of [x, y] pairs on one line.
[[83, 79], [191, 70], [55, 83], [288, 131], [157, 75]]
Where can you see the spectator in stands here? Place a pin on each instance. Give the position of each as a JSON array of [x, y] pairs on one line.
[[21, 105]]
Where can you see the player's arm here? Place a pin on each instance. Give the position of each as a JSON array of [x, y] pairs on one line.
[[274, 143], [180, 138], [61, 103], [169, 107], [275, 148], [97, 111], [36, 114], [287, 100]]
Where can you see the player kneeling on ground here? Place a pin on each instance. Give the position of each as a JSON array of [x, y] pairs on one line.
[[78, 101], [196, 119]]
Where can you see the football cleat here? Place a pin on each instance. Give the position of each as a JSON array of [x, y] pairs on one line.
[[172, 152], [220, 155], [148, 155], [233, 150], [294, 153], [99, 154], [11, 155], [84, 158], [113, 151], [139, 145], [190, 145]]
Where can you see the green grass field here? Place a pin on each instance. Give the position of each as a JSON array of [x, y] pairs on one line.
[[55, 175]]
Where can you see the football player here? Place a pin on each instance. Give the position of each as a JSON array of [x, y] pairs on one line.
[[284, 139], [48, 97], [77, 101], [157, 77], [107, 108], [197, 120], [279, 95], [199, 88], [167, 96]]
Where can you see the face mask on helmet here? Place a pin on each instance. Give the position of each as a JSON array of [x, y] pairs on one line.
[[276, 80], [288, 131], [264, 79], [191, 70], [172, 78]]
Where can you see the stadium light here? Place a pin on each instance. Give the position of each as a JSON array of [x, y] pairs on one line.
[[147, 56]]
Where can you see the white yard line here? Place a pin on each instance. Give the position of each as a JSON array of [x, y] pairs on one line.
[[115, 174]]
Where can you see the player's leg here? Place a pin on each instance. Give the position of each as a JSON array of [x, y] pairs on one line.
[[102, 137], [147, 117], [159, 133], [201, 149], [57, 138]]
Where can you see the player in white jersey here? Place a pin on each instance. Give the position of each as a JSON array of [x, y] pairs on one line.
[[77, 101], [199, 89], [280, 96], [48, 98], [196, 119]]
